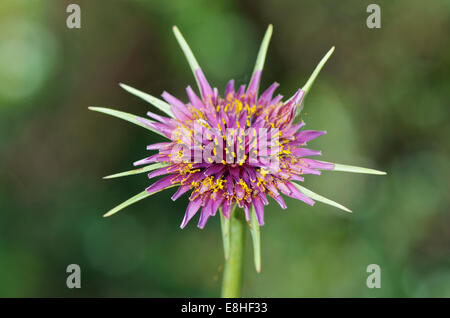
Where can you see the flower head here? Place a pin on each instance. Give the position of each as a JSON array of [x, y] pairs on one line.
[[238, 148]]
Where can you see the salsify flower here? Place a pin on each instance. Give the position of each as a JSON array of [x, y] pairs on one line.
[[235, 149]]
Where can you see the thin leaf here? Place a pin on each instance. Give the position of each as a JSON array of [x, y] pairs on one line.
[[256, 239], [137, 171], [138, 197], [259, 65], [188, 53], [161, 105], [320, 198], [125, 116], [355, 169], [316, 71]]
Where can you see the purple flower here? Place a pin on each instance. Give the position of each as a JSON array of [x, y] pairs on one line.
[[235, 149]]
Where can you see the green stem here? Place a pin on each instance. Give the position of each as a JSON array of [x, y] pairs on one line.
[[232, 274]]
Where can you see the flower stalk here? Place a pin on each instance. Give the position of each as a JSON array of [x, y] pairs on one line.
[[233, 269]]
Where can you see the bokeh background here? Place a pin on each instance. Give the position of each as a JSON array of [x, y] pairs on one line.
[[383, 97]]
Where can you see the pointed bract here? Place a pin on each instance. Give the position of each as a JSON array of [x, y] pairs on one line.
[[256, 239], [126, 116], [317, 70], [259, 65], [137, 171], [203, 85], [314, 74], [225, 227], [354, 169], [130, 201], [320, 198], [161, 105]]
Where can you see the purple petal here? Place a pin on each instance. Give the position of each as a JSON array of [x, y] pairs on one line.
[[162, 128], [314, 164], [304, 152], [226, 208], [195, 100], [280, 201], [161, 184], [205, 88], [152, 158], [266, 97], [240, 91], [234, 171], [291, 130], [247, 212], [216, 203], [229, 89], [162, 119], [158, 145], [276, 100], [160, 172], [178, 108], [296, 194], [216, 96], [304, 136], [205, 214], [259, 209], [297, 98], [263, 198], [213, 170], [174, 102], [230, 185], [297, 178], [252, 90], [191, 210], [181, 190], [307, 170]]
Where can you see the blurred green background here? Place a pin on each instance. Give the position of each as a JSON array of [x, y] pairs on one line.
[[383, 97]]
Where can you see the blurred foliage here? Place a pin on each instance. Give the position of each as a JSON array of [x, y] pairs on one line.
[[382, 97]]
